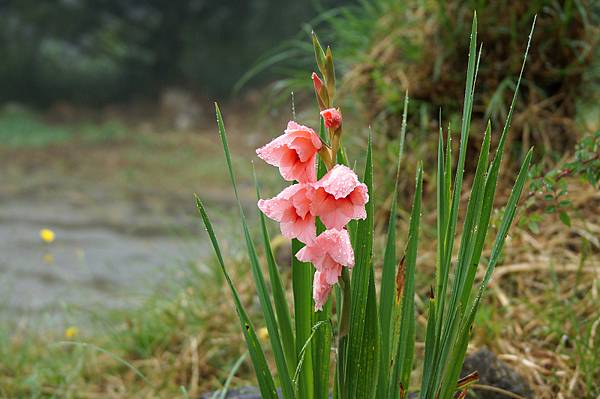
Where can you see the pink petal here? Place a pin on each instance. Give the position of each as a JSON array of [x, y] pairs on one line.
[[305, 254], [294, 153], [337, 244], [291, 208], [339, 197], [321, 291], [303, 229], [339, 181], [293, 126], [332, 118], [272, 152], [274, 208]]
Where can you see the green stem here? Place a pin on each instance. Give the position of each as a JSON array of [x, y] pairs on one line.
[[345, 307], [343, 328]]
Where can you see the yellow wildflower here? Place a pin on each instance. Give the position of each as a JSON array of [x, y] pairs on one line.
[[71, 332], [263, 333], [47, 235]]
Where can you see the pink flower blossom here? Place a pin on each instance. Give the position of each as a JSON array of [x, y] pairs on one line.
[[321, 290], [332, 118], [329, 252], [294, 153], [339, 197], [291, 208]]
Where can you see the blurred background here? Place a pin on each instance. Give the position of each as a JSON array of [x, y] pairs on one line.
[[107, 129]]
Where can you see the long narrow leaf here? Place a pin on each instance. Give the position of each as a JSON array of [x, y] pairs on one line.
[[263, 374], [406, 344], [434, 320], [302, 274], [369, 355], [261, 287], [363, 248], [281, 304], [447, 332], [386, 300], [430, 343], [462, 286], [460, 347]]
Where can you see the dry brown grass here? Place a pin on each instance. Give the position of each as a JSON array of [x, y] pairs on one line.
[[544, 304]]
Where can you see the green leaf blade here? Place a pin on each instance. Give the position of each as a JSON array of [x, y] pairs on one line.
[[363, 249], [388, 278], [282, 309], [261, 368], [302, 274], [257, 274], [406, 342]]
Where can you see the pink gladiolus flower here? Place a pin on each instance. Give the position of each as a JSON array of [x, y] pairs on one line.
[[294, 153], [317, 82], [329, 252], [321, 290], [339, 197], [332, 118], [291, 208]]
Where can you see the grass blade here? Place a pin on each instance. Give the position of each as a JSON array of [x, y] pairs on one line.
[[263, 374], [302, 274], [459, 349], [386, 300], [305, 348], [430, 343], [453, 211], [261, 287], [509, 214], [406, 342], [363, 247], [369, 355], [234, 370], [281, 304], [465, 268], [435, 319]]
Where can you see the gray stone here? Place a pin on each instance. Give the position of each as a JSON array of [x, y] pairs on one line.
[[237, 393], [494, 372]]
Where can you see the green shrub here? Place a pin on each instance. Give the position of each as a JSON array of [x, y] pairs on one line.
[[388, 47], [97, 52]]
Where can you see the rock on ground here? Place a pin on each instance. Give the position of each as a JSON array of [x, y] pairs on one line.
[[494, 372]]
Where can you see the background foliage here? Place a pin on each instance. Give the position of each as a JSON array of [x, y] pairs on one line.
[[98, 51], [385, 48]]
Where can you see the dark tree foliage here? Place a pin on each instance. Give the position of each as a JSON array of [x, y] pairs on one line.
[[103, 50]]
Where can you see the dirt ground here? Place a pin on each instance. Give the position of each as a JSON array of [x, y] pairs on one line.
[[121, 206]]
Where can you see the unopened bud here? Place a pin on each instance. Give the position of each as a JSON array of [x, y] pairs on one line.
[[332, 118], [317, 82]]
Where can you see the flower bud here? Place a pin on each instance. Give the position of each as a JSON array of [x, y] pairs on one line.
[[317, 82], [332, 118], [321, 91]]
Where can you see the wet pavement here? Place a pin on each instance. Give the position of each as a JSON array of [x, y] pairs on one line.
[[106, 254]]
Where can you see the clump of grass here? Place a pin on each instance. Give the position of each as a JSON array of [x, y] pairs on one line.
[[548, 290], [182, 338], [23, 128]]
